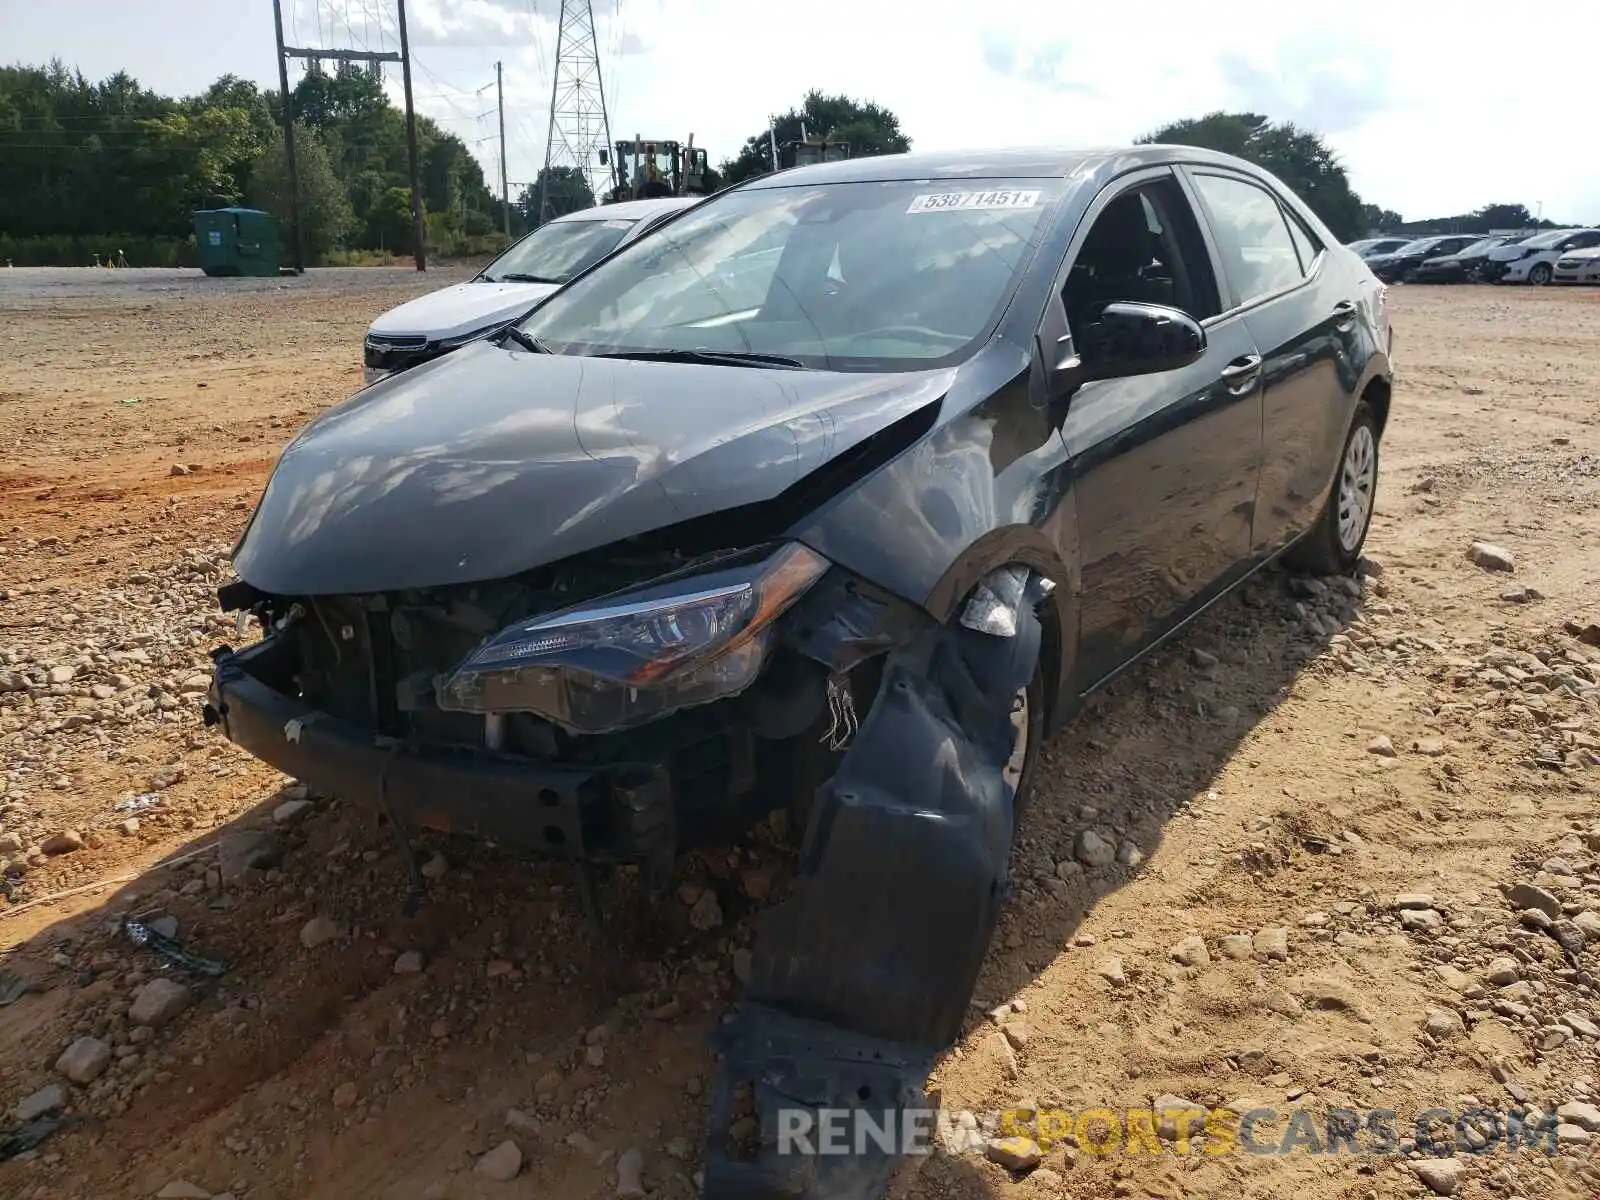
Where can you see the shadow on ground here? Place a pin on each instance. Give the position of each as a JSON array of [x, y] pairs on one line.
[[320, 1064]]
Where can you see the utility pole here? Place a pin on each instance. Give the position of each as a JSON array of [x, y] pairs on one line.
[[374, 57], [579, 128], [411, 145], [505, 191], [288, 144]]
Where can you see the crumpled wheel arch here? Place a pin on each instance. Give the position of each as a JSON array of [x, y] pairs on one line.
[[866, 971]]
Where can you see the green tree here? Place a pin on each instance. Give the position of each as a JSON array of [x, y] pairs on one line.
[[569, 192], [389, 223], [325, 211], [1381, 220], [868, 127], [1296, 156]]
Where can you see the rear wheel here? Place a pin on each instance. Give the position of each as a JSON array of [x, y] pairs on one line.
[[1333, 545], [1409, 275], [1539, 275]]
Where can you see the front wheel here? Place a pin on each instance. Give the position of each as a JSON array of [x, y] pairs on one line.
[[1333, 544], [1540, 275]]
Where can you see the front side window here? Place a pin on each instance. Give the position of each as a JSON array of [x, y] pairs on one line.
[[1257, 251], [1145, 246], [557, 251], [863, 276]]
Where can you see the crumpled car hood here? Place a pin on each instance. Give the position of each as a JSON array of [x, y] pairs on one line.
[[460, 309], [492, 461]]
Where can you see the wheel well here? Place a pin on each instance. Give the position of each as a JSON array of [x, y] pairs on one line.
[[1377, 395]]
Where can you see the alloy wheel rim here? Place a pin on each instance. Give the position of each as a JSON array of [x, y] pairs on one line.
[[1356, 478]]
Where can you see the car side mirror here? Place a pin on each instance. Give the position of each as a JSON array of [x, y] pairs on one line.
[[1133, 338]]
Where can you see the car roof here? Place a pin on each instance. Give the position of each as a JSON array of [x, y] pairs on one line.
[[1020, 162], [628, 210]]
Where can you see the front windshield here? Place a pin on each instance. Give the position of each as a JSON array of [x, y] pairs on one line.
[[1546, 240], [862, 276], [555, 252], [1418, 246], [1479, 245]]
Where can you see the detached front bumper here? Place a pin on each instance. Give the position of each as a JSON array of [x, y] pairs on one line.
[[608, 812]]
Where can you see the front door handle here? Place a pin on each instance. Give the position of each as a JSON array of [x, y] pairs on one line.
[[1344, 316], [1240, 376]]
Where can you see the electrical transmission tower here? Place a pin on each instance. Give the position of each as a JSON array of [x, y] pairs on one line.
[[579, 128]]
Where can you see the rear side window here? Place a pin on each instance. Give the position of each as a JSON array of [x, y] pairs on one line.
[[1258, 252]]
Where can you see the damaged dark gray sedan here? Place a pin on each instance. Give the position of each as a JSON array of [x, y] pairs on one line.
[[836, 494]]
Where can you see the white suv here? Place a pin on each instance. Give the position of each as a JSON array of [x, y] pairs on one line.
[[1534, 261]]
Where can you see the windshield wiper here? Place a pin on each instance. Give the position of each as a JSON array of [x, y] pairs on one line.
[[715, 358], [518, 277], [524, 339]]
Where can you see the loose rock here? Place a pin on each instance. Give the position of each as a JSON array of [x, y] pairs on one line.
[[1491, 557], [1443, 1024], [408, 963], [1442, 1175], [84, 1060], [502, 1163], [320, 930], [706, 913], [1237, 946], [1014, 1153], [1191, 952], [1093, 850], [51, 1098], [1526, 895], [630, 1175], [158, 1002], [65, 842], [1272, 943], [1502, 972], [290, 811], [1110, 969]]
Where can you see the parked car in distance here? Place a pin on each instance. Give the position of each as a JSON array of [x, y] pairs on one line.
[[1372, 247], [1464, 264], [1534, 260], [1578, 266], [525, 272], [1401, 266], [845, 540]]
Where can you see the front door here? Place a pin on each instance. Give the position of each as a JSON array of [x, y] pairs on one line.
[[1164, 467]]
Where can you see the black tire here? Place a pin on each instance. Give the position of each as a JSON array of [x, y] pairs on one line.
[[1539, 274], [1322, 551], [1409, 275]]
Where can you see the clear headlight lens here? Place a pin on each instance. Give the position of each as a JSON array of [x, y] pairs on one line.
[[638, 655]]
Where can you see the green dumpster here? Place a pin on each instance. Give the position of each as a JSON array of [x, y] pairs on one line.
[[236, 241]]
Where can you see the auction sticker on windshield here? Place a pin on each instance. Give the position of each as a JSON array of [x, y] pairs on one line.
[[971, 201]]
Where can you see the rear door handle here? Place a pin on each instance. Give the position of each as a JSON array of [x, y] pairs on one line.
[[1344, 316], [1241, 374]]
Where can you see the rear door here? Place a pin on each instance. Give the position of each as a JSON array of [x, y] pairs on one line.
[[1291, 295], [1163, 466]]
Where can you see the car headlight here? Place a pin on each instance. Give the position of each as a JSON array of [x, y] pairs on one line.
[[637, 655]]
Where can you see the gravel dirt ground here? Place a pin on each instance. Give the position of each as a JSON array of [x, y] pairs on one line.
[[1338, 848]]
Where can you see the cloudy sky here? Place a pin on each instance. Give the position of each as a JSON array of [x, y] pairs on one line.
[[1435, 108]]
